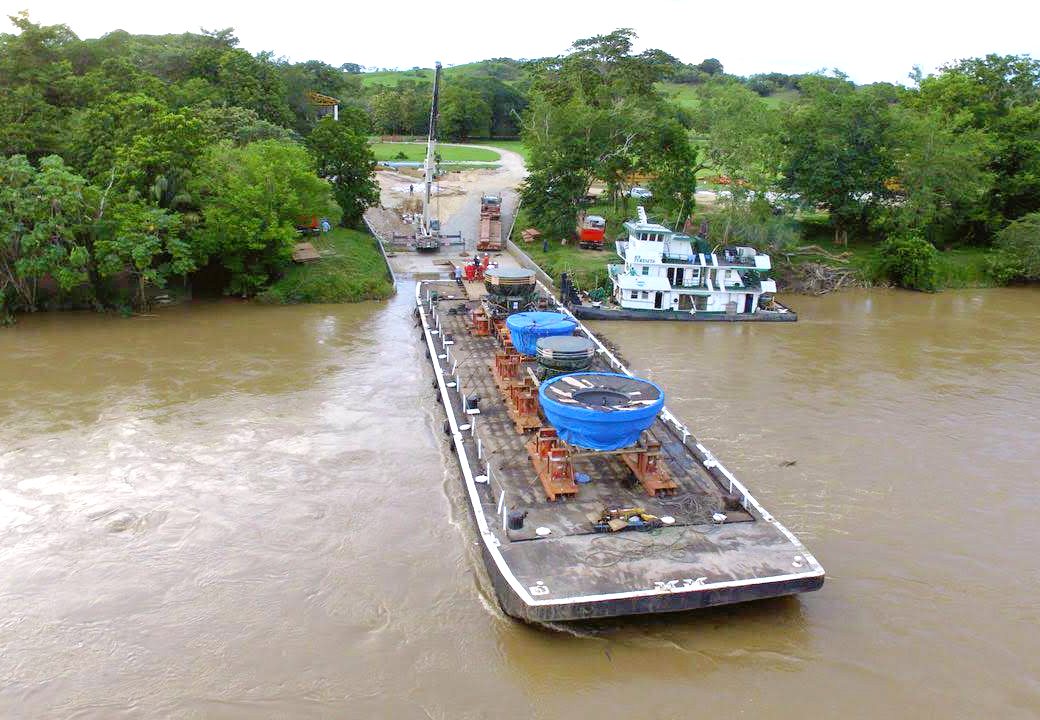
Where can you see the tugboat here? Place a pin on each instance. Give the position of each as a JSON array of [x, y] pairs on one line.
[[590, 498], [666, 275]]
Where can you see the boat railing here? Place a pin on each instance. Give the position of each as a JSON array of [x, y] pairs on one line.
[[469, 428]]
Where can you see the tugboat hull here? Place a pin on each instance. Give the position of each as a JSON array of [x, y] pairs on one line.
[[588, 312]]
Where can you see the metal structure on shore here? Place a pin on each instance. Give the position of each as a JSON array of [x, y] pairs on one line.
[[428, 236]]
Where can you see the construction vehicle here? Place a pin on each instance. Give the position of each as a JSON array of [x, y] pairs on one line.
[[490, 237], [591, 230], [617, 519], [428, 236]]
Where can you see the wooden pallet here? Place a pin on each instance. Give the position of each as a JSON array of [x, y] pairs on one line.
[[480, 323], [522, 404], [553, 465], [644, 462]]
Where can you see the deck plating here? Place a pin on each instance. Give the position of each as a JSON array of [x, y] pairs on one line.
[[557, 567]]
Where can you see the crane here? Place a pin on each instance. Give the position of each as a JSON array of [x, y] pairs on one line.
[[427, 238]]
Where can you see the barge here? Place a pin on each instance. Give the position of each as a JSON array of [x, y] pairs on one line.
[[570, 526]]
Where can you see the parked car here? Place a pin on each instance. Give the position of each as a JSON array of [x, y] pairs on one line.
[[640, 193]]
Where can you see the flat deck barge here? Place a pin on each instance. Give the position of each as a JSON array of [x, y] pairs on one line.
[[719, 546]]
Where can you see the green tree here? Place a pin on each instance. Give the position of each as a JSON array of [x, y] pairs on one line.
[[34, 84], [251, 199], [595, 113], [910, 261], [739, 133], [836, 140], [143, 242], [1017, 255], [158, 162], [943, 174], [345, 157], [464, 112], [44, 216], [242, 126], [998, 95]]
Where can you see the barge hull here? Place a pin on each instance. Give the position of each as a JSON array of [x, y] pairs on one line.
[[551, 579]]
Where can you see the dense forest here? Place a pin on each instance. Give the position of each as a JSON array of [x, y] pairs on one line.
[[128, 162]]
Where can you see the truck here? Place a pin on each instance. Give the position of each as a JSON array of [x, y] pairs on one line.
[[490, 236], [591, 229]]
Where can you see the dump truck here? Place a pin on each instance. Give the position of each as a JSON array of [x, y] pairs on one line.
[[490, 236]]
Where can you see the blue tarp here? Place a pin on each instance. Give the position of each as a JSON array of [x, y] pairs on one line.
[[525, 328], [600, 426]]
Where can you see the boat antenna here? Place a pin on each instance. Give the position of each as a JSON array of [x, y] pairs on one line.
[[431, 145]]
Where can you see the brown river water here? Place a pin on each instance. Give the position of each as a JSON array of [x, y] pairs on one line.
[[235, 511]]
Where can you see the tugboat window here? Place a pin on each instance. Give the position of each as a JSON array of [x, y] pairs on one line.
[[646, 269], [635, 294]]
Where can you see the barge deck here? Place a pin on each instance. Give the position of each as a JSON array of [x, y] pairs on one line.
[[719, 546]]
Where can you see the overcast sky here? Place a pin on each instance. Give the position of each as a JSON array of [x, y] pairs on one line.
[[869, 40]]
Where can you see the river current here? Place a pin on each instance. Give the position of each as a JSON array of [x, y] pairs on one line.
[[230, 510]]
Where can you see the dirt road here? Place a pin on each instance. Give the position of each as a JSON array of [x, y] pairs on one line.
[[456, 197]]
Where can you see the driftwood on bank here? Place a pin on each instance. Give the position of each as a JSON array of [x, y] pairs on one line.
[[817, 277]]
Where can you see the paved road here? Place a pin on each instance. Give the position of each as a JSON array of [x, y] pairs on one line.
[[504, 180]]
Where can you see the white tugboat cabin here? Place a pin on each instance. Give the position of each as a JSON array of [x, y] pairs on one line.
[[670, 272]]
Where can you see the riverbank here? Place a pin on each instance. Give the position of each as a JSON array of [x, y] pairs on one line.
[[351, 269], [956, 268], [811, 266], [587, 268]]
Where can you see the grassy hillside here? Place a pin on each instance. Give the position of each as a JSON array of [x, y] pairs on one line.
[[507, 72], [351, 269], [686, 95]]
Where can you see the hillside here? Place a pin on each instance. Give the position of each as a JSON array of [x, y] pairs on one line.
[[504, 69]]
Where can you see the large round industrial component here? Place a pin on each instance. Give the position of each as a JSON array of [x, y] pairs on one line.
[[509, 281], [566, 353], [600, 411], [525, 328]]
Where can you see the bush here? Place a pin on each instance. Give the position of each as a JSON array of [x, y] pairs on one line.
[[1017, 255], [910, 262]]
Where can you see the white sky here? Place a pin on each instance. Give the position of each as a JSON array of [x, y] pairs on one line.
[[870, 41]]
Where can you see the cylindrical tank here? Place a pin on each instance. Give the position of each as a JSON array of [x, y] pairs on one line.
[[509, 281], [600, 411], [565, 353], [525, 328]]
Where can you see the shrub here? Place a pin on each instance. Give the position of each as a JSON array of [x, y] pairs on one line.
[[1017, 255], [910, 261]]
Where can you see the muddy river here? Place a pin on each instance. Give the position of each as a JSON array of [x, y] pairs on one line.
[[240, 511]]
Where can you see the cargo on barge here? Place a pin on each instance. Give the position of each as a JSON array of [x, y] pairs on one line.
[[571, 524]]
